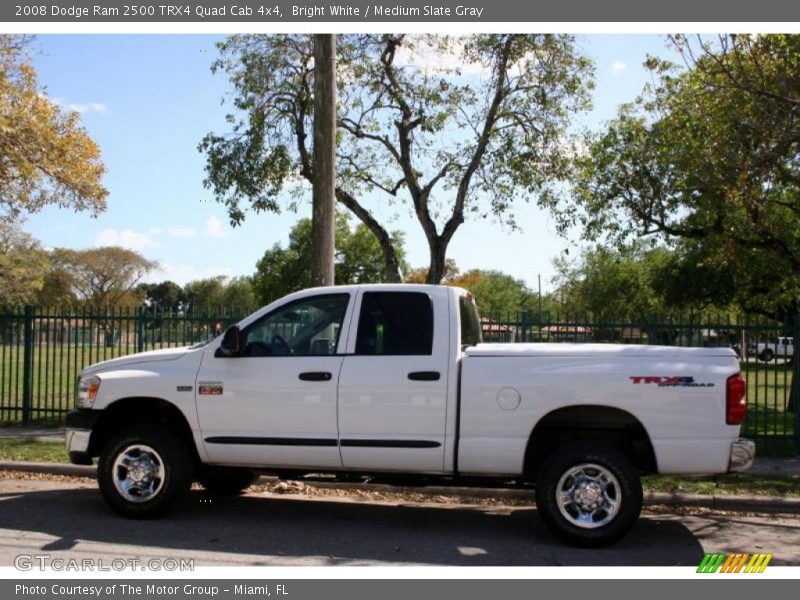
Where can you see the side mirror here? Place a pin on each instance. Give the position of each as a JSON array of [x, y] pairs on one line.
[[232, 341]]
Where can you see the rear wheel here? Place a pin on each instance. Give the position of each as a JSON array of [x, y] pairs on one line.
[[225, 480], [589, 494], [767, 355], [144, 471]]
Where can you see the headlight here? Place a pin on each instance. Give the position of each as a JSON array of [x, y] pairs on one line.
[[87, 392]]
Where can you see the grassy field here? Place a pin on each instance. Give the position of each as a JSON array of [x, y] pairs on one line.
[[33, 451]]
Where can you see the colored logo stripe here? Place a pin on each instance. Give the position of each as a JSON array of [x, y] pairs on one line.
[[734, 563]]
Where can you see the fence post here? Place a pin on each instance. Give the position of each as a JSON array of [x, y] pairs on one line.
[[141, 328], [27, 364], [794, 390]]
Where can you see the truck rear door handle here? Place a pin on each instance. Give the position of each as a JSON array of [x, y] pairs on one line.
[[424, 376], [315, 376]]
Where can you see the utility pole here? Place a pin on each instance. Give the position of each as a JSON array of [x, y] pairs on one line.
[[540, 299], [324, 214]]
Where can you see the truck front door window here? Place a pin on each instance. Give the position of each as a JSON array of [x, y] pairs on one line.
[[309, 327]]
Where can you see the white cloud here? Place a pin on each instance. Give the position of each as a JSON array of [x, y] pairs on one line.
[[98, 107], [426, 57], [215, 229], [182, 232], [127, 238], [618, 67], [154, 231]]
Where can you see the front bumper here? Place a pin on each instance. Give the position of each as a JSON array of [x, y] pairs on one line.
[[78, 434], [743, 453]]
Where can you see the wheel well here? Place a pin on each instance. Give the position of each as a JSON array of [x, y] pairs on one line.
[[136, 411], [596, 423]]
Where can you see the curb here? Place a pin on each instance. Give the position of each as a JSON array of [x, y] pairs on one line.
[[758, 504]]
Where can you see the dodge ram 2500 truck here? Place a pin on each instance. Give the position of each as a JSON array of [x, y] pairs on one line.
[[392, 382]]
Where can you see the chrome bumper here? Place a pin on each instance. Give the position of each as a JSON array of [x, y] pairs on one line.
[[743, 453]]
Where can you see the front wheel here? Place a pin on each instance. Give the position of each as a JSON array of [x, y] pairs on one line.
[[144, 471], [589, 494], [767, 355]]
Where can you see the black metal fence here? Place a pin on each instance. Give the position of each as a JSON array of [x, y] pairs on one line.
[[42, 351]]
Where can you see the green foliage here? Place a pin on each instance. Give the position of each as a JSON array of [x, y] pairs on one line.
[[218, 294], [357, 260], [24, 265], [709, 155], [636, 284], [101, 277], [446, 142], [166, 295], [496, 293], [47, 157]]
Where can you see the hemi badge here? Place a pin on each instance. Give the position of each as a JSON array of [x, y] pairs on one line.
[[209, 388], [184, 388]]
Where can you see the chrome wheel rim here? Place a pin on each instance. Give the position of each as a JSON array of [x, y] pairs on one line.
[[588, 496], [138, 473]]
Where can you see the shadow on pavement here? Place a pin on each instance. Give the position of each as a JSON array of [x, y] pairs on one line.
[[338, 532]]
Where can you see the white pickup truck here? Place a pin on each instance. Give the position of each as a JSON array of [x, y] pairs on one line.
[[783, 347], [392, 383]]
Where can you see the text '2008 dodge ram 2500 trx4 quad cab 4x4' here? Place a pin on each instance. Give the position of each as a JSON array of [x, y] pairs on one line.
[[393, 382]]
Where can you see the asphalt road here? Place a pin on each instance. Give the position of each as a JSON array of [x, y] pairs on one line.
[[69, 520]]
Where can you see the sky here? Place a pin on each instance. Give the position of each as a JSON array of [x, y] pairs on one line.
[[148, 100]]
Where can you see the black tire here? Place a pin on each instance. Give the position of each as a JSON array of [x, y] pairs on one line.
[[767, 355], [168, 481], [226, 481], [589, 459]]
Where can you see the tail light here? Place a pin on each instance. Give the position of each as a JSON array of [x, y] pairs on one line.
[[735, 405]]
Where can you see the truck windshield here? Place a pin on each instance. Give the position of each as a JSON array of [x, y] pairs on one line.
[[470, 322]]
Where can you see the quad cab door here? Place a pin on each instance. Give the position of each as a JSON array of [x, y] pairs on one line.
[[275, 402], [393, 383]]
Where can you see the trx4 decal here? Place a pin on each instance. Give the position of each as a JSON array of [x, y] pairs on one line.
[[669, 381]]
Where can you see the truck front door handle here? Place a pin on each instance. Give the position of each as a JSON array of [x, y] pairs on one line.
[[315, 376], [424, 376]]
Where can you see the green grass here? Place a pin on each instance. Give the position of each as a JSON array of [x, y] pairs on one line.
[[768, 393], [33, 450]]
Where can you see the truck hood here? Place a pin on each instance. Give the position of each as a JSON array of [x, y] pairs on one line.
[[152, 356], [605, 350]]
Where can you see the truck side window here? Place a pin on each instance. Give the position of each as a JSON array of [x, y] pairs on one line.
[[470, 322], [307, 327], [395, 324]]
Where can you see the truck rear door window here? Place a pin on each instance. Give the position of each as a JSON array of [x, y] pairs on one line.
[[395, 324]]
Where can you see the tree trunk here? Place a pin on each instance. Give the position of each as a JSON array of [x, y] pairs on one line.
[[324, 215], [438, 250], [391, 265]]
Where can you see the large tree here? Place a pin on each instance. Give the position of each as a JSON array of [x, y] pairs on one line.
[[102, 278], [710, 156], [46, 157], [23, 265], [446, 127], [357, 259]]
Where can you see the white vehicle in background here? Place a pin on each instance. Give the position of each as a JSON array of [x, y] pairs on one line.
[[391, 383], [782, 347]]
